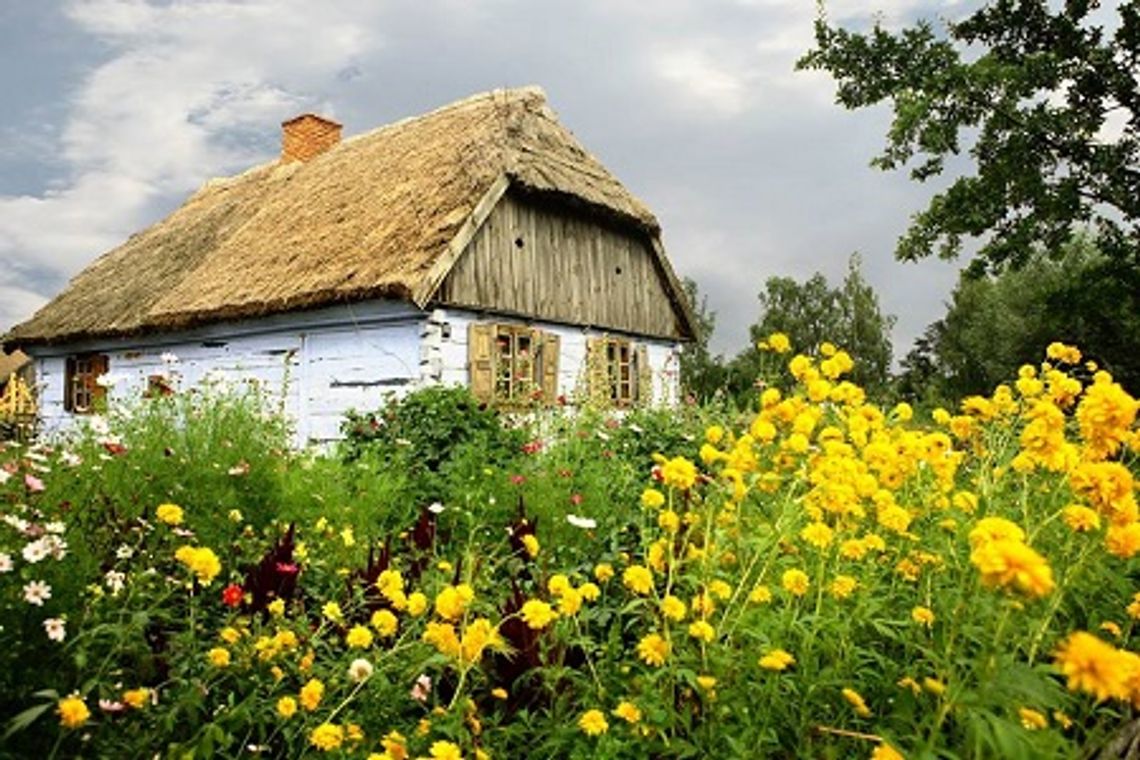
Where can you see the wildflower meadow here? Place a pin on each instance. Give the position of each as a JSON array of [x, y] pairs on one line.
[[815, 574]]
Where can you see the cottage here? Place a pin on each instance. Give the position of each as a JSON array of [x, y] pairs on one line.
[[477, 244]]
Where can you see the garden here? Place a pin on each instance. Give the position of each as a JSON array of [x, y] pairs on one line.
[[811, 573]]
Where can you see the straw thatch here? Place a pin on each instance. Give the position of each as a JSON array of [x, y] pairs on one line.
[[11, 363], [366, 219]]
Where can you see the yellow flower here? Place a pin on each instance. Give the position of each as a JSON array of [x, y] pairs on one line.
[[779, 343], [673, 608], [627, 711], [417, 604], [445, 751], [218, 657], [777, 659], [477, 637], [276, 607], [385, 622], [720, 589], [201, 561], [530, 543], [679, 473], [653, 649], [1123, 540], [499, 692], [443, 637], [706, 682], [390, 583], [1080, 519], [570, 603], [593, 723], [327, 737], [923, 616], [171, 514], [136, 698], [538, 614], [72, 711], [855, 699], [311, 694], [229, 634], [761, 594], [638, 579], [795, 582], [669, 521], [286, 707], [358, 637], [701, 630], [332, 611], [995, 529], [453, 600], [1095, 666], [394, 745], [714, 434], [651, 498], [1011, 564], [885, 751], [817, 534], [843, 586], [1133, 609], [558, 584], [603, 572], [934, 686], [1032, 720], [589, 591]]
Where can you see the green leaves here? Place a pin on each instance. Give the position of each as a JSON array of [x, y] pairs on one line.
[[1046, 102]]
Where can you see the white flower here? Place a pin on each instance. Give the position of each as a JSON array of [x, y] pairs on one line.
[[111, 706], [421, 690], [37, 592], [114, 580], [169, 358], [55, 527], [360, 670], [4, 476], [585, 523], [55, 546], [99, 425], [5, 562], [55, 628], [435, 508], [36, 550], [108, 380], [124, 552], [603, 435], [71, 460], [19, 524]]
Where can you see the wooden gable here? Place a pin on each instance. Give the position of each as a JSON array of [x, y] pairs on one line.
[[534, 257]]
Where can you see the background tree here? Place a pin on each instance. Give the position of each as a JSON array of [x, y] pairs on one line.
[[1048, 100], [996, 323], [702, 374], [813, 312]]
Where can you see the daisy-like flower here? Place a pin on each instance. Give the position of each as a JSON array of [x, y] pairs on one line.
[[37, 592], [5, 562], [360, 670], [115, 580], [55, 628], [585, 523], [34, 551]]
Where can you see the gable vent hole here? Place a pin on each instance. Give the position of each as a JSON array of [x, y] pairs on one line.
[[617, 270], [519, 242]]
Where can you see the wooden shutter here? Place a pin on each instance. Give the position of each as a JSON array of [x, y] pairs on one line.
[[551, 349], [69, 384], [481, 360], [644, 376], [597, 383]]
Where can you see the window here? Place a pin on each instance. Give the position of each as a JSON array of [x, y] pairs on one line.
[[82, 394], [618, 372], [512, 364]]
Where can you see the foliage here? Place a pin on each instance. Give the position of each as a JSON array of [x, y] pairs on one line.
[[996, 323], [812, 313], [702, 374], [823, 578], [1037, 90]]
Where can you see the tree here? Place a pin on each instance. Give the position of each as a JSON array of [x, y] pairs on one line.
[[702, 374], [1037, 92], [996, 323], [811, 313]]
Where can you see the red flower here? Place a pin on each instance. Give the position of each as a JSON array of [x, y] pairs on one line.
[[232, 595], [518, 480]]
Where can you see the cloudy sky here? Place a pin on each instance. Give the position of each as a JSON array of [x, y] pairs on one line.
[[116, 110]]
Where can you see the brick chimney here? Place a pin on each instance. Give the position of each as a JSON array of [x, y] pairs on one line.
[[306, 136]]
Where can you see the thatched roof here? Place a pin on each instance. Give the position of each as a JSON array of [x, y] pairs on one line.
[[10, 363], [368, 218]]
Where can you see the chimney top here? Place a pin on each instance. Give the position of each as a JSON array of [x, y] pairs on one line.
[[307, 136]]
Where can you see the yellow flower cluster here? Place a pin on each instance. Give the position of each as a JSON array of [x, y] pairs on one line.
[[201, 561]]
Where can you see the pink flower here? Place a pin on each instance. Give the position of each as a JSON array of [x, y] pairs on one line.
[[575, 499], [422, 688], [518, 480], [34, 484]]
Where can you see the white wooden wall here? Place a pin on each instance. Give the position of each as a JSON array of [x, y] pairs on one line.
[[317, 365]]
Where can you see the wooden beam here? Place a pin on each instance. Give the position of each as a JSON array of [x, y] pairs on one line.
[[430, 284]]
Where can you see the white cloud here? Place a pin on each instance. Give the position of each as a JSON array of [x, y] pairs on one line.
[[183, 83]]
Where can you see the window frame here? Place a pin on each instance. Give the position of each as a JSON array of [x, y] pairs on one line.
[[82, 393], [621, 355]]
